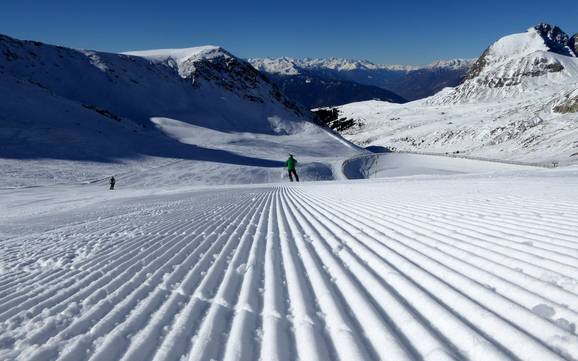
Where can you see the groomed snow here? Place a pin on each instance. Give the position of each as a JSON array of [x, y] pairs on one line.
[[481, 266]]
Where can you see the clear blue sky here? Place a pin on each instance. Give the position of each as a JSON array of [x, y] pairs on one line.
[[402, 32]]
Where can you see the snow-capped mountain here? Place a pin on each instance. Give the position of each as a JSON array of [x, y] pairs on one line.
[[519, 63], [293, 66], [519, 102], [92, 114], [409, 82]]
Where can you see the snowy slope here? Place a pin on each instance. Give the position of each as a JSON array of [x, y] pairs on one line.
[[472, 267], [77, 115], [410, 82], [518, 102]]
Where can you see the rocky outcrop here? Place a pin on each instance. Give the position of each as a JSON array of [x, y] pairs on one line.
[[555, 39], [573, 43], [331, 118], [569, 105], [478, 66]]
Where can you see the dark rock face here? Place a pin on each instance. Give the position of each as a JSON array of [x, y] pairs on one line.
[[568, 106], [478, 66], [331, 118], [313, 92], [555, 39], [573, 43]]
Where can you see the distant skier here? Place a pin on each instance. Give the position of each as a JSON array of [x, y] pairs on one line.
[[112, 182], [291, 162]]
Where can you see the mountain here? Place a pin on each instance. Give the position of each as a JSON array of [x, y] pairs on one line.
[[519, 102], [313, 92], [79, 114], [518, 64], [408, 82]]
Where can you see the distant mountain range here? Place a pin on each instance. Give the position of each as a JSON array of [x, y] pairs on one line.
[[323, 82], [519, 101], [314, 92]]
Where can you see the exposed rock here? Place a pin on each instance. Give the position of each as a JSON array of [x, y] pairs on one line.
[[478, 66], [556, 40], [330, 117], [573, 43], [103, 112], [568, 106]]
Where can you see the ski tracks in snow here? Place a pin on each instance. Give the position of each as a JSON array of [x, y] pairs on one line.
[[358, 271]]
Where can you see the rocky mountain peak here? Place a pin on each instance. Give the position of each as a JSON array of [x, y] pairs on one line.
[[555, 39]]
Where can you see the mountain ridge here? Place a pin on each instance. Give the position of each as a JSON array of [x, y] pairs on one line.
[[407, 81]]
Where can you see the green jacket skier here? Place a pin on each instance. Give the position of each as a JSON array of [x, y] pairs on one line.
[[291, 163]]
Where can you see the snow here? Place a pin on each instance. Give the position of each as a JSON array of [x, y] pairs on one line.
[[184, 59], [518, 44], [431, 258], [521, 129], [402, 165], [424, 265], [181, 54]]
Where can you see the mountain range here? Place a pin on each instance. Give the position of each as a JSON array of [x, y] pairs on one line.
[[301, 78]]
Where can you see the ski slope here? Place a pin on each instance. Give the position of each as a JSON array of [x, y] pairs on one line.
[[479, 266]]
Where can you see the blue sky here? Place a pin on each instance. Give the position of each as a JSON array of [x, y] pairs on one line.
[[400, 32]]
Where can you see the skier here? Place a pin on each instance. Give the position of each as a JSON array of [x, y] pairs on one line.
[[291, 162], [112, 182]]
